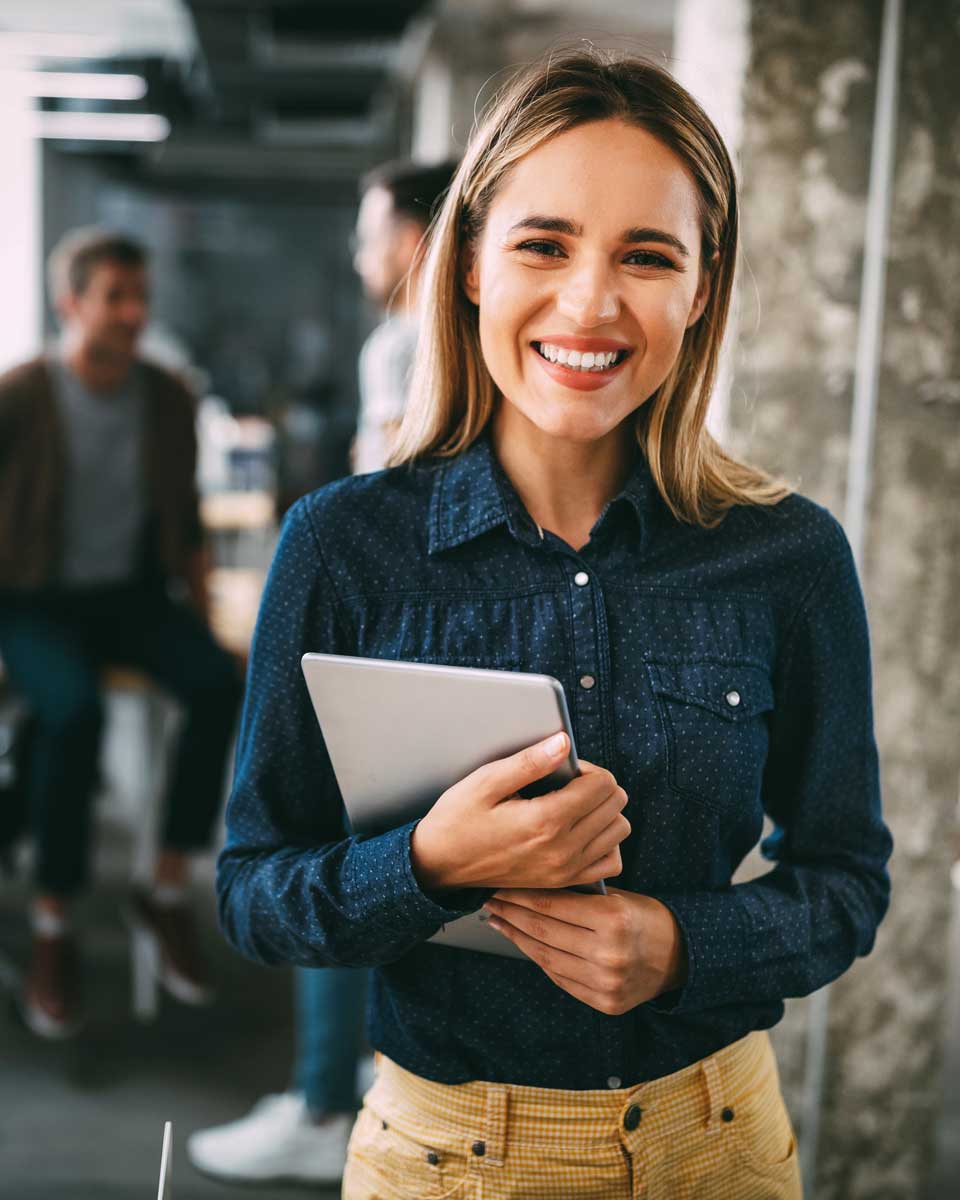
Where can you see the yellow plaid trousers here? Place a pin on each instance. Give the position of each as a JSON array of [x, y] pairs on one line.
[[716, 1130]]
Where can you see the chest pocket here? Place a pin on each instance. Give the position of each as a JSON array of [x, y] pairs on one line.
[[715, 719]]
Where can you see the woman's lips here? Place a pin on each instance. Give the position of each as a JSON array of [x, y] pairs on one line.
[[583, 381]]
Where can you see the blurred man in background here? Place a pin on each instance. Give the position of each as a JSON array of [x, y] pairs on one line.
[[397, 202], [98, 522], [302, 1134]]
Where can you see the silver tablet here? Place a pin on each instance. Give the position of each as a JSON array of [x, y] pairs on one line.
[[399, 734]]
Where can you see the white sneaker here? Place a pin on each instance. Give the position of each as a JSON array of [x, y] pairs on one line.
[[277, 1141]]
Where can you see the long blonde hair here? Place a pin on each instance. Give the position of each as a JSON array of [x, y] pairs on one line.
[[452, 393]]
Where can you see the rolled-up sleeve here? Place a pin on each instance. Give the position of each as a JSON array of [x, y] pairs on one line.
[[292, 886], [801, 925]]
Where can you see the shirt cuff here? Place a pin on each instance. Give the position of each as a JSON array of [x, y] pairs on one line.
[[417, 907], [713, 927]]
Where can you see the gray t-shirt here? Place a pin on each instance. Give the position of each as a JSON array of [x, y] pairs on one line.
[[104, 494]]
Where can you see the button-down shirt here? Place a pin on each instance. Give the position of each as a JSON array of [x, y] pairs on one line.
[[718, 673]]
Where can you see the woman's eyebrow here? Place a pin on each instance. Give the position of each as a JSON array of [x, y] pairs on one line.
[[550, 224], [647, 234], [572, 229]]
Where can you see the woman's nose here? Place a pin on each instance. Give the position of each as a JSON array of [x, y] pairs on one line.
[[589, 297]]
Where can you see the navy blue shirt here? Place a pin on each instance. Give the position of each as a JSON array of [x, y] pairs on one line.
[[718, 673]]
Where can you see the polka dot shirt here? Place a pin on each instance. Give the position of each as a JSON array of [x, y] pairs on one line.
[[719, 674]]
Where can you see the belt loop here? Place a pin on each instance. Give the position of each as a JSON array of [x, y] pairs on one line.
[[495, 1124], [714, 1085]]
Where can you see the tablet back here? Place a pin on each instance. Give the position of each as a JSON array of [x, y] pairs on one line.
[[399, 734]]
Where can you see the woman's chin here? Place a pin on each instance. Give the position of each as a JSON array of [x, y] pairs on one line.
[[582, 428]]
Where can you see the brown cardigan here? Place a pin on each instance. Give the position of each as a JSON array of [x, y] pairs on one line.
[[32, 469]]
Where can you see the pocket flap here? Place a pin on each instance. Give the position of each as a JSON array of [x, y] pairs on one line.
[[735, 691]]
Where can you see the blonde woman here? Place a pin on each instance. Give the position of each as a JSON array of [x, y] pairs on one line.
[[558, 506]]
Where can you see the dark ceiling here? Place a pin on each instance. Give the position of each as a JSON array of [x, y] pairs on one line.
[[282, 90], [314, 60]]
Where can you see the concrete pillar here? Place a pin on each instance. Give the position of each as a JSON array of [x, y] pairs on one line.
[[884, 1082], [806, 122]]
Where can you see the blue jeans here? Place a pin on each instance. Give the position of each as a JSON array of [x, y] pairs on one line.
[[330, 1003], [55, 644]]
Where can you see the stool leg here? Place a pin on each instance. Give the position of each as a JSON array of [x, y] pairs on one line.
[[144, 975], [155, 739]]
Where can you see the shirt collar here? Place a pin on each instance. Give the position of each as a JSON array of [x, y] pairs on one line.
[[472, 495]]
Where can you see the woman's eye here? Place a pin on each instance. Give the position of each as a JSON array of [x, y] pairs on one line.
[[547, 249], [648, 258]]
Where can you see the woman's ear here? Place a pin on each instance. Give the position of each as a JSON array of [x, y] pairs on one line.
[[707, 271], [470, 273]]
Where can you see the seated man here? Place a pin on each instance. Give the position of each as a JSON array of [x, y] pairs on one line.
[[98, 523]]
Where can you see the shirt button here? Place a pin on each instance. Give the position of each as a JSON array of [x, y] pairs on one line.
[[614, 1081], [631, 1118], [587, 682], [733, 699], [433, 1158], [581, 579], [479, 1149]]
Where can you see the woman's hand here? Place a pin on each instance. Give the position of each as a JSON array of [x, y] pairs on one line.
[[612, 952], [480, 833]]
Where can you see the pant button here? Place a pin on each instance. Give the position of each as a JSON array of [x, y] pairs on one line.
[[631, 1118], [479, 1148]]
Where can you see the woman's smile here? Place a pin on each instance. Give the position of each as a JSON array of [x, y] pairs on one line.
[[579, 362]]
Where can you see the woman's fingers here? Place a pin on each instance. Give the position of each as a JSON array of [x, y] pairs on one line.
[[552, 931], [598, 819], [506, 776], [608, 867], [607, 840], [522, 927], [584, 993]]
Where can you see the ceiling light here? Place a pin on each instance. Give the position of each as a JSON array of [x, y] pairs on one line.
[[98, 127], [77, 85], [57, 45]]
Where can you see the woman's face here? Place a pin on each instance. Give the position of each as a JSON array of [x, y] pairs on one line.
[[586, 275]]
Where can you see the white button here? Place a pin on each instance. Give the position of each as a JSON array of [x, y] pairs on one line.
[[733, 699], [587, 681], [614, 1081], [581, 579]]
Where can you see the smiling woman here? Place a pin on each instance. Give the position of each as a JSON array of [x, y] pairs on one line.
[[558, 505]]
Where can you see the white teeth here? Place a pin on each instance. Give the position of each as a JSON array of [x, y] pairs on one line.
[[587, 361]]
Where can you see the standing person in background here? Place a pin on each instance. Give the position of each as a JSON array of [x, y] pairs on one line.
[[98, 517], [397, 200], [302, 1134]]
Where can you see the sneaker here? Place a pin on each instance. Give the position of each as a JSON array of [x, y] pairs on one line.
[[276, 1142], [50, 1002], [169, 933]]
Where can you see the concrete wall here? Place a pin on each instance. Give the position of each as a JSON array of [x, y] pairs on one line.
[[885, 1082]]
